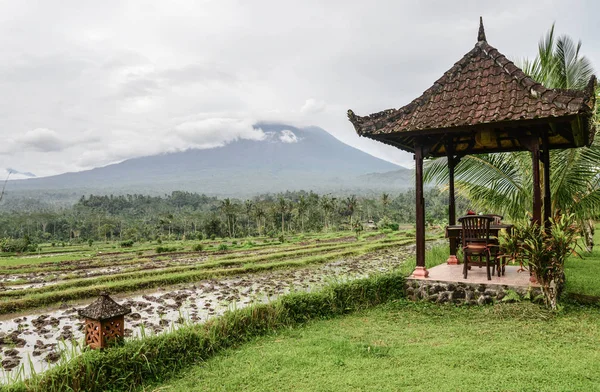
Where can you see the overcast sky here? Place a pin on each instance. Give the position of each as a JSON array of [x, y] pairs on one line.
[[88, 83]]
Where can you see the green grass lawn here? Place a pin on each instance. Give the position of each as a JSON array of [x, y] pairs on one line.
[[583, 273], [417, 347]]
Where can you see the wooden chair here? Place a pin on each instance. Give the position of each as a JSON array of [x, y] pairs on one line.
[[501, 262], [476, 241], [497, 219]]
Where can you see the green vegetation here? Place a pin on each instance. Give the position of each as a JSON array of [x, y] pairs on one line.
[[136, 277], [545, 252], [156, 357], [582, 275], [138, 222], [416, 347]]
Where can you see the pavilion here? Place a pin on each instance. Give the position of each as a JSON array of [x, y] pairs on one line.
[[483, 104]]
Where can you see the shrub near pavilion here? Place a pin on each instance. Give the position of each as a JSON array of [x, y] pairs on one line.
[[545, 252]]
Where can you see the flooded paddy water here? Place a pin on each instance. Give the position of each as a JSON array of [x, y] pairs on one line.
[[35, 340]]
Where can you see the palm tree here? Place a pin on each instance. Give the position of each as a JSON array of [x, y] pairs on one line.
[[503, 182], [260, 215], [385, 201], [302, 208], [328, 205], [351, 203], [228, 208], [283, 207], [248, 204]]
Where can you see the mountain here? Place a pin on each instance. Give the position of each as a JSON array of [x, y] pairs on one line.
[[289, 158]]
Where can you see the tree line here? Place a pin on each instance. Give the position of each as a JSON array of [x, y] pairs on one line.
[[185, 215]]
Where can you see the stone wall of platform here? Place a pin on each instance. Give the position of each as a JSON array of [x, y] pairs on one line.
[[464, 293]]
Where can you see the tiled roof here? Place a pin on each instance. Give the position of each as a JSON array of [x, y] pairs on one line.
[[484, 87], [103, 308]]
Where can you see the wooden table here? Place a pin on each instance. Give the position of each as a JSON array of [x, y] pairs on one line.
[[453, 234]]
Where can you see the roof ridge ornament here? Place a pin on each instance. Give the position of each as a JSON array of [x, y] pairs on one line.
[[481, 34]]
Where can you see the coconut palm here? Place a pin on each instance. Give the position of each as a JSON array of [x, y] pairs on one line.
[[504, 182], [385, 201], [328, 205], [351, 203], [302, 209], [260, 215], [249, 206], [283, 207], [229, 209]]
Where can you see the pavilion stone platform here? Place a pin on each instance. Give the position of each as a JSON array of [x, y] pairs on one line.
[[446, 283]]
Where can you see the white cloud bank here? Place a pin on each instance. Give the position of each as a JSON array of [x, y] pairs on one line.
[[99, 82], [288, 136], [215, 132]]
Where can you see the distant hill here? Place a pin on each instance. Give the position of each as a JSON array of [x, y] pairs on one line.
[[289, 159]]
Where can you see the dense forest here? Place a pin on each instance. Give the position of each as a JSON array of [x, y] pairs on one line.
[[185, 216]]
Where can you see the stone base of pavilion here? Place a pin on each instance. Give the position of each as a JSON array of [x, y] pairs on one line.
[[445, 283]]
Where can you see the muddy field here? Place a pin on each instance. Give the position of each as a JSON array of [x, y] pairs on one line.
[[37, 339]]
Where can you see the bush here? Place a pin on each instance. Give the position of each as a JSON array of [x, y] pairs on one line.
[[90, 242], [385, 223], [159, 241], [19, 245], [213, 237], [199, 236], [127, 244], [545, 252], [223, 247], [198, 248], [165, 249], [233, 242]]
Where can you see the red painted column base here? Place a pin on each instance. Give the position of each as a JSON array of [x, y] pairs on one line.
[[452, 260], [420, 272], [532, 278]]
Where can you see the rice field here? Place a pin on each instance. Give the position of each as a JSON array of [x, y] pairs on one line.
[[40, 294]]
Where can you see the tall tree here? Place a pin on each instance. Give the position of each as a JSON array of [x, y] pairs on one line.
[[248, 205], [229, 210], [283, 207], [351, 203], [385, 201], [302, 209]]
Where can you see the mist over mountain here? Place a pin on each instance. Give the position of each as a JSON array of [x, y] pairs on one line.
[[289, 158]]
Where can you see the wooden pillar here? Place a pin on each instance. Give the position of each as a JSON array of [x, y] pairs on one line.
[[420, 270], [537, 194], [547, 196], [451, 195], [452, 162]]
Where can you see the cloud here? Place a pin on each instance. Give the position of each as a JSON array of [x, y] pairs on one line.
[[288, 136], [116, 80], [41, 139], [312, 106], [215, 132]]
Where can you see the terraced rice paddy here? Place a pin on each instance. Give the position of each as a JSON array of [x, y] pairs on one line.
[[167, 290]]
